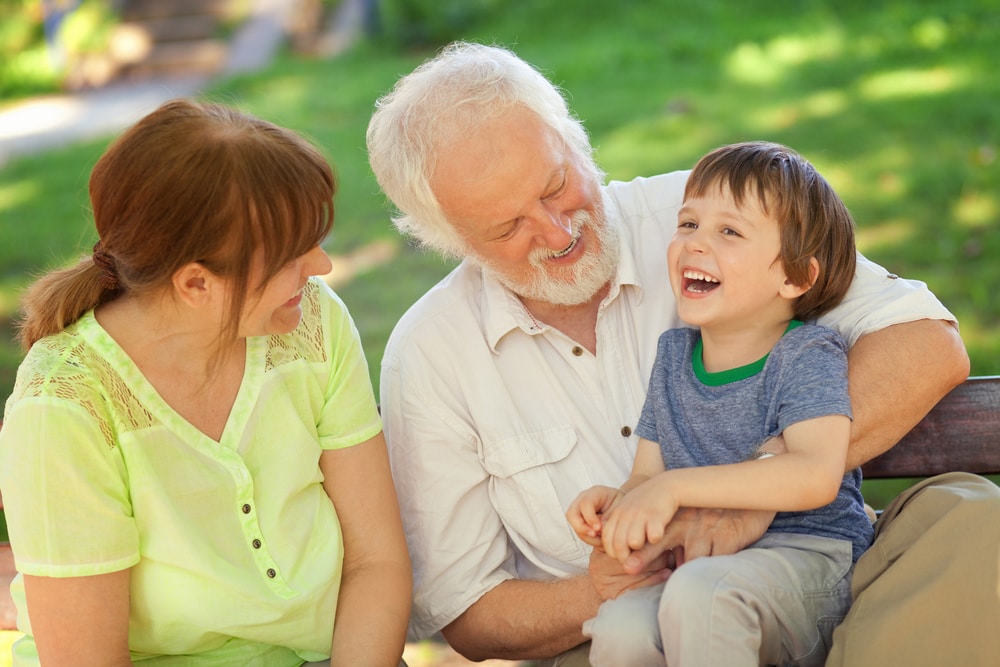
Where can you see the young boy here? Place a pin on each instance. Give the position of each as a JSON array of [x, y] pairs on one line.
[[762, 245]]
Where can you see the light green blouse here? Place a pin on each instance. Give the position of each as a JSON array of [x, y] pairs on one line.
[[234, 547]]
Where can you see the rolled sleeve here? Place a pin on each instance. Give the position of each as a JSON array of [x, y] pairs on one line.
[[878, 299]]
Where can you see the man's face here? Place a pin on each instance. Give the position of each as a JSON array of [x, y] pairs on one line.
[[529, 208]]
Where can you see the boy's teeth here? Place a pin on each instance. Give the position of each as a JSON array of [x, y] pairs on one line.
[[698, 275]]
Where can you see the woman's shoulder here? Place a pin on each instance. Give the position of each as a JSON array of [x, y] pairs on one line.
[[64, 369], [57, 363]]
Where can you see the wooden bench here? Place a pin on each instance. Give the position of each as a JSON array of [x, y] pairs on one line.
[[962, 432]]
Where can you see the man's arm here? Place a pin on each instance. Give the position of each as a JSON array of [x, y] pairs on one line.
[[895, 376], [521, 619]]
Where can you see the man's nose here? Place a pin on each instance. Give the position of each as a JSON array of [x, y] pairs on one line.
[[555, 228]]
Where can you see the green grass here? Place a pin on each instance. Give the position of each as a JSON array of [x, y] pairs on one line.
[[895, 102]]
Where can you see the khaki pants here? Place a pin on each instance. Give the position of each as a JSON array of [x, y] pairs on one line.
[[927, 593]]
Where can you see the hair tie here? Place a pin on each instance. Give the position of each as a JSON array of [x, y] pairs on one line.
[[109, 269]]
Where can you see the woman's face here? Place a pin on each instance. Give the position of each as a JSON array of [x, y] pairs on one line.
[[277, 308]]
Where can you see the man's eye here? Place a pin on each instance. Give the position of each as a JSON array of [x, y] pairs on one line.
[[558, 191], [506, 233]]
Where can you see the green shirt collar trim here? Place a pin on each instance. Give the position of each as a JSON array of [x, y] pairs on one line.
[[733, 374]]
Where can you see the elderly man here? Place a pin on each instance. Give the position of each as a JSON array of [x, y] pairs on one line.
[[516, 382]]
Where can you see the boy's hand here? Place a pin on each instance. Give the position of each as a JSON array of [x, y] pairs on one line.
[[585, 513], [638, 519]]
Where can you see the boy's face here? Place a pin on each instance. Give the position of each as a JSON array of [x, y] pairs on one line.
[[724, 262]]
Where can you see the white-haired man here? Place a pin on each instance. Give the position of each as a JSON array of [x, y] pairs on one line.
[[516, 382]]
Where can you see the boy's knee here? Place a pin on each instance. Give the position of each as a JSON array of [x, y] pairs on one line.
[[625, 631], [701, 588]]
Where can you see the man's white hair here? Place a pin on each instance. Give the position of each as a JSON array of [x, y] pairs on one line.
[[449, 96]]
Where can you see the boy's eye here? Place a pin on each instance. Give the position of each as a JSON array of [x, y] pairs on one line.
[[687, 224], [729, 231]]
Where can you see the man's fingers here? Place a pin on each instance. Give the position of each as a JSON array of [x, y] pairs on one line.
[[650, 556], [696, 548]]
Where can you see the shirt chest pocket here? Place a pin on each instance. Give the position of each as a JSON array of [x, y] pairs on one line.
[[534, 478]]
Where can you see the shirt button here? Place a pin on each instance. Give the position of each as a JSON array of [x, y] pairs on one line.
[[271, 574], [626, 431], [256, 544], [246, 508], [577, 351]]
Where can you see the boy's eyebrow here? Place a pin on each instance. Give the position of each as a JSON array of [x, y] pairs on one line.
[[734, 213]]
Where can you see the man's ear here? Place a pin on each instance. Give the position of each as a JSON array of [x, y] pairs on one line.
[[193, 284], [792, 291]]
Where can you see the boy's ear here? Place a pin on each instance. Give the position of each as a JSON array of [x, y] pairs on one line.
[[792, 291]]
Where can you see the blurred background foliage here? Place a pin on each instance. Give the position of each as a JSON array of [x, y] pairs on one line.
[[895, 102]]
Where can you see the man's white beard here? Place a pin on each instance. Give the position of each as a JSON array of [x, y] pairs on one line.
[[586, 277]]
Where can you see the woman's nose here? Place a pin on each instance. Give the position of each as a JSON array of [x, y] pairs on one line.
[[318, 262]]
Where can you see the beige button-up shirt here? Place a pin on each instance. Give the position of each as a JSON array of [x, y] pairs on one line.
[[495, 424]]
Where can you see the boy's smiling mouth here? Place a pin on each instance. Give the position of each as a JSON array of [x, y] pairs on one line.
[[698, 281]]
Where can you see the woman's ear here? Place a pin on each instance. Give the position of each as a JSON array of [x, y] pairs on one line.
[[193, 284], [792, 291]]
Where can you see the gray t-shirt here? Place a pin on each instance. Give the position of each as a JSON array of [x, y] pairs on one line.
[[702, 419]]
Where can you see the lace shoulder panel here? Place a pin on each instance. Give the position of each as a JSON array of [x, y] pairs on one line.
[[64, 366]]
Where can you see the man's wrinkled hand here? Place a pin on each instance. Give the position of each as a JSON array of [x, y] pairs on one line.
[[694, 533], [610, 580]]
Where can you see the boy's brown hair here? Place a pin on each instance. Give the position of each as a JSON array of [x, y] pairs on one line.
[[812, 219]]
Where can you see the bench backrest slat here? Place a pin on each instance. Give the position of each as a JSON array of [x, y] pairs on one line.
[[962, 432]]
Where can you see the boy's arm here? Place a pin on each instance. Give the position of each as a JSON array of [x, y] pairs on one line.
[[648, 463], [806, 477]]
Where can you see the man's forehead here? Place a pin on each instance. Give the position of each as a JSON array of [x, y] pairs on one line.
[[493, 173]]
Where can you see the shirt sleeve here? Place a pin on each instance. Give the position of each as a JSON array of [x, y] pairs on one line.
[[878, 299], [457, 541], [350, 414], [811, 381], [66, 495]]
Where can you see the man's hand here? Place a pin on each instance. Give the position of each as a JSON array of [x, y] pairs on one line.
[[701, 532], [610, 580]]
